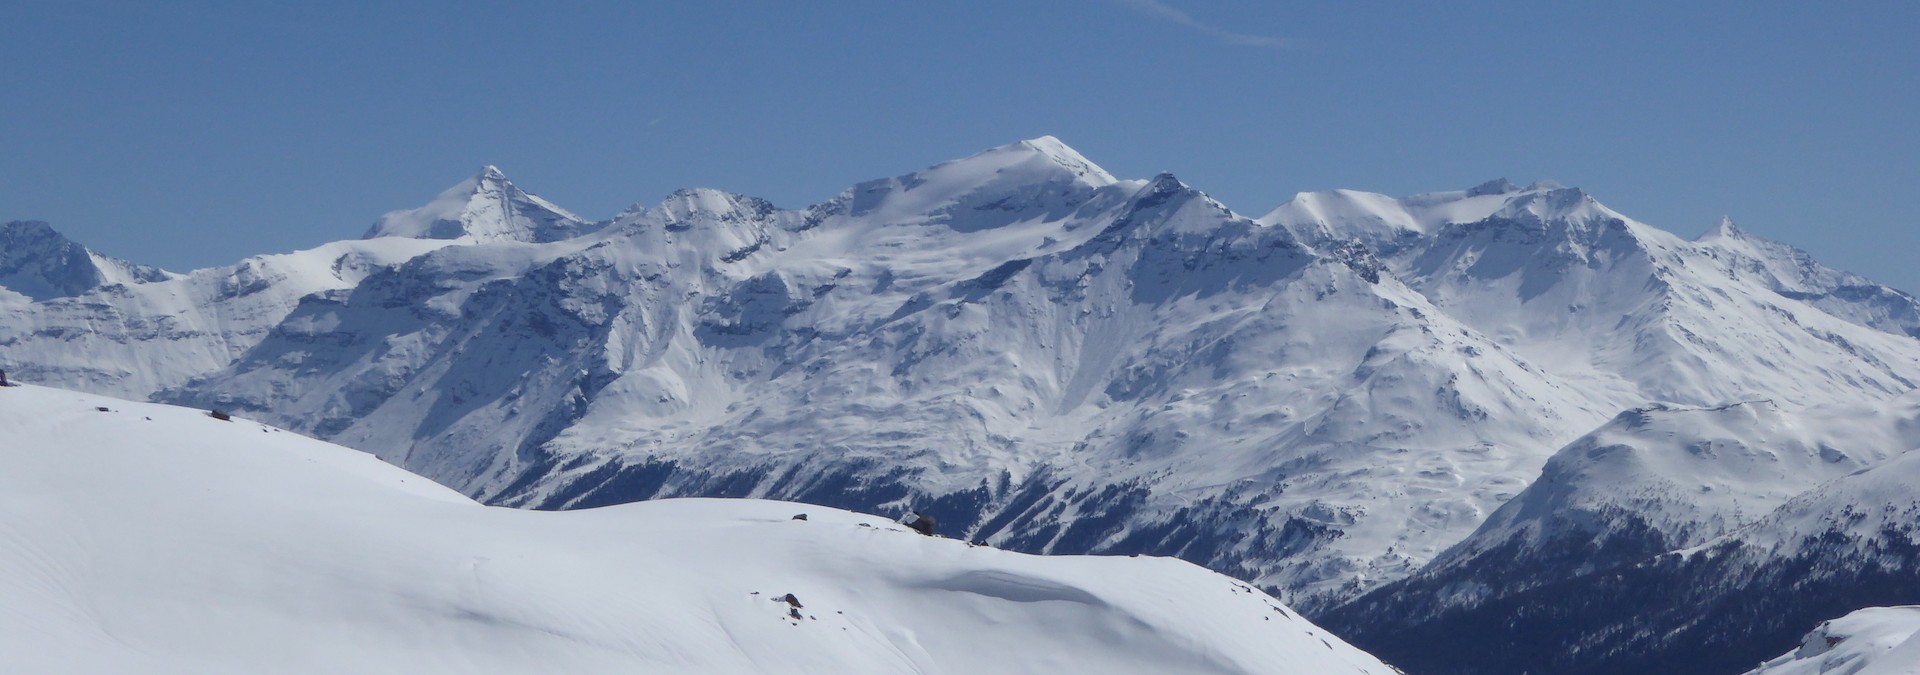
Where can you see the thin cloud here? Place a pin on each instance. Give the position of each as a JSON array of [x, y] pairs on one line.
[[1164, 12]]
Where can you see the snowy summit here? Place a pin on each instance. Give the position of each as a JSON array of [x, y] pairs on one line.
[[486, 207]]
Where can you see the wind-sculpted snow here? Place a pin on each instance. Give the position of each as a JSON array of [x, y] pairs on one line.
[[142, 538], [1043, 355]]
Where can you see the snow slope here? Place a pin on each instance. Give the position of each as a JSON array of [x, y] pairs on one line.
[[1664, 478], [138, 537], [1872, 641], [1794, 273], [1683, 539]]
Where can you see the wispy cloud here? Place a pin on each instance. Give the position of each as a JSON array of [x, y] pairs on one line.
[[1168, 13]]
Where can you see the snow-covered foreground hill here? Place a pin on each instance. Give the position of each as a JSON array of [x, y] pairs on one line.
[[144, 538]]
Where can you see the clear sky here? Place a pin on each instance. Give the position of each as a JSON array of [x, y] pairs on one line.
[[194, 133]]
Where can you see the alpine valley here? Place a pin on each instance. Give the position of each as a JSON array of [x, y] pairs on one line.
[[1499, 430]]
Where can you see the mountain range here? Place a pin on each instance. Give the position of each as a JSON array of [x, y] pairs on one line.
[[1371, 406]]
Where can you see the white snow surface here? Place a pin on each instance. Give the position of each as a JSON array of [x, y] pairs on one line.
[[138, 537], [1871, 641]]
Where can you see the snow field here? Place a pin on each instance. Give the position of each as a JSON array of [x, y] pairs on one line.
[[156, 539]]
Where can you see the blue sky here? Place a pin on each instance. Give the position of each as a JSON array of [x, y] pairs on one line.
[[188, 134]]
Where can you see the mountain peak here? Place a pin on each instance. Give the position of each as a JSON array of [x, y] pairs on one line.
[[1497, 186], [1549, 201], [1041, 172], [39, 262], [484, 207], [1722, 229], [19, 230], [685, 203], [1060, 153], [1035, 159], [1502, 186], [1161, 185]]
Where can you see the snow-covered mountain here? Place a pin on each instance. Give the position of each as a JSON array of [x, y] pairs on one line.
[[137, 537], [79, 319], [484, 208], [39, 263], [1795, 274], [1703, 538], [1628, 313], [1042, 355]]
